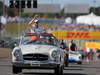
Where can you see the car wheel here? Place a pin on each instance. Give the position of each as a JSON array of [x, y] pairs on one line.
[[59, 70], [79, 63], [66, 64], [16, 70]]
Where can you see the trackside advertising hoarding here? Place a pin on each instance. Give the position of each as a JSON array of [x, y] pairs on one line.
[[92, 45], [77, 35]]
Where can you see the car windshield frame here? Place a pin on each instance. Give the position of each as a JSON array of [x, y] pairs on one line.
[[42, 40]]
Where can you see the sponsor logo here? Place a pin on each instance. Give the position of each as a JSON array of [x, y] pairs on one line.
[[78, 35]]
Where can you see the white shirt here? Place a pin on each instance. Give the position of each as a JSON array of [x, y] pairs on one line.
[[37, 30]]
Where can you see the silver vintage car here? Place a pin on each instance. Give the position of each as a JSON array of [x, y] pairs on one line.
[[40, 51]]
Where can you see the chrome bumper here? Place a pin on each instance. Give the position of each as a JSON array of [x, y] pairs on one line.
[[35, 64]]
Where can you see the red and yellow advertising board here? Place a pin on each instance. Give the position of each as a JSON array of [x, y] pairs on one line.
[[81, 35]]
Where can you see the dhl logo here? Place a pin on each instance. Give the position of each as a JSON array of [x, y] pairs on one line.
[[82, 35], [78, 35]]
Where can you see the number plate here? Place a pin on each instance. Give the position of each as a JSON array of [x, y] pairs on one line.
[[32, 64]]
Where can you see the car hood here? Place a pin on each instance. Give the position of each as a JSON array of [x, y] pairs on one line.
[[44, 49]]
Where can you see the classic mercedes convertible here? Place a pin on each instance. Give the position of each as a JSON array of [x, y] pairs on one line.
[[38, 51]]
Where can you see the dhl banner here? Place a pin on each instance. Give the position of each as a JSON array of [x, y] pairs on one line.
[[81, 35], [92, 45]]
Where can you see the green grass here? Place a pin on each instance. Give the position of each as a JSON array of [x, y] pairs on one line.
[[14, 28]]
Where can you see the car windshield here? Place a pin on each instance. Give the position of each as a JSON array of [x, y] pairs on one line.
[[34, 39]]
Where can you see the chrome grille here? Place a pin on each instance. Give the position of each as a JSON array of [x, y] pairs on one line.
[[35, 57]]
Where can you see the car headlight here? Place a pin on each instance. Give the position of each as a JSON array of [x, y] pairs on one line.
[[55, 54], [18, 55]]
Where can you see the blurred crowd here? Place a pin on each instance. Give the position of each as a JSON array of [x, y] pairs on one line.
[[76, 27], [92, 54], [88, 54], [59, 24]]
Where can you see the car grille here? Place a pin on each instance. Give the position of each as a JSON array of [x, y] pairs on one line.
[[35, 57]]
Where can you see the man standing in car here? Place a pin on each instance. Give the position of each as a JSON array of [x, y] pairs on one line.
[[35, 28]]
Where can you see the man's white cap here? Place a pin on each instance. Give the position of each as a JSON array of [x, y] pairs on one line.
[[36, 20], [33, 21]]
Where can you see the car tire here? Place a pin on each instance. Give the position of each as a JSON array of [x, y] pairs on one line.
[[59, 70], [79, 63], [16, 70], [66, 64]]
